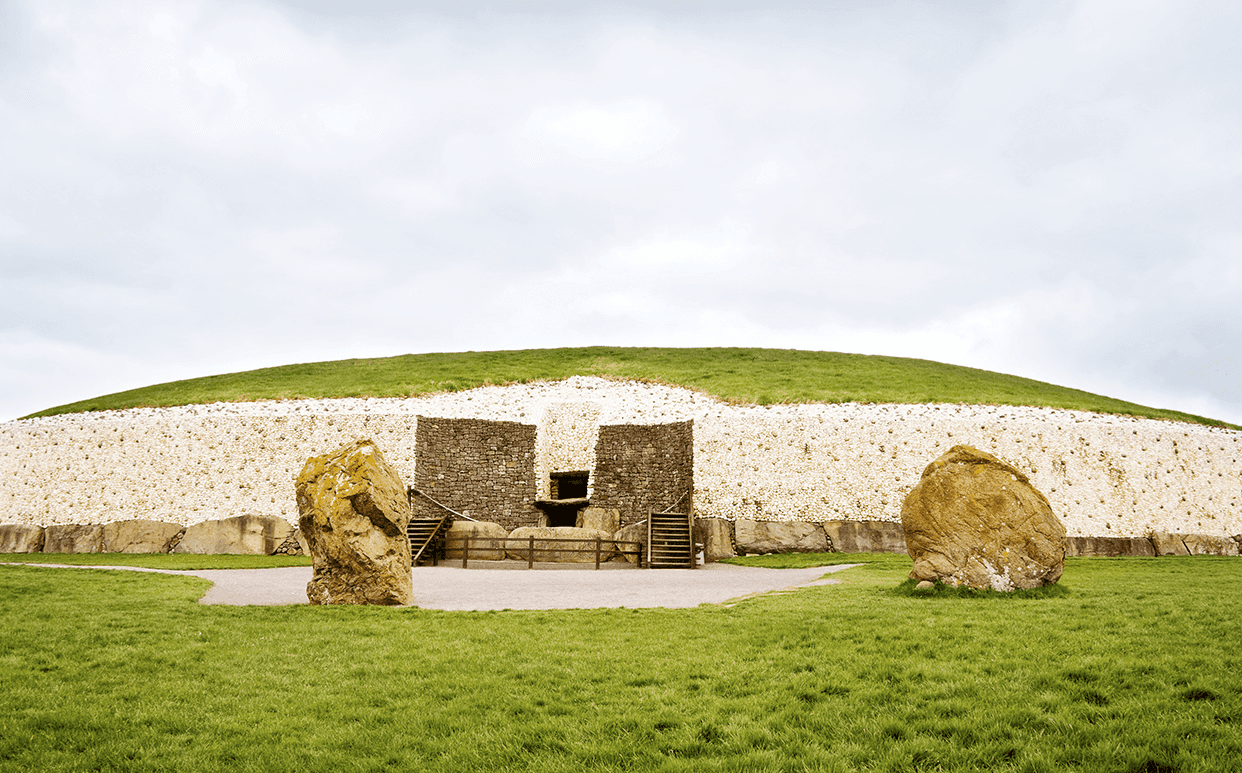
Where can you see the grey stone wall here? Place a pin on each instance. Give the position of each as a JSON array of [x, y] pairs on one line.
[[485, 469], [640, 468]]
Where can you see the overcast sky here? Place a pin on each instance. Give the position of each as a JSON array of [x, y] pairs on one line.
[[1049, 189]]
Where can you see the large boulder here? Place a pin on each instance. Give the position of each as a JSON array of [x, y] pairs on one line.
[[753, 537], [716, 537], [487, 540], [546, 549], [866, 536], [73, 538], [242, 534], [140, 536], [353, 510], [20, 538], [974, 520]]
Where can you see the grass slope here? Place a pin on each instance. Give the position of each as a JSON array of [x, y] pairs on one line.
[[1135, 669], [761, 376]]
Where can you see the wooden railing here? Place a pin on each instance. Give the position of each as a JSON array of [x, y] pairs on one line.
[[429, 544], [603, 549]]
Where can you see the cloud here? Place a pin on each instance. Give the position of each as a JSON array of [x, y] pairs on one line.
[[1049, 190]]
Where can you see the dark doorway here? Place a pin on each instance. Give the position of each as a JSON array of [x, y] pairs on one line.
[[569, 485]]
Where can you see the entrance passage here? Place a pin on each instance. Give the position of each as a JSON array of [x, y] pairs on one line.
[[569, 496], [569, 485]]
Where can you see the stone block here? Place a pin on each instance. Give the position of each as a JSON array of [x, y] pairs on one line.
[[1167, 544], [1207, 545], [1108, 546], [635, 532], [600, 518], [487, 540], [242, 534], [756, 537], [716, 537], [139, 536], [866, 536], [73, 538], [559, 552], [21, 538]]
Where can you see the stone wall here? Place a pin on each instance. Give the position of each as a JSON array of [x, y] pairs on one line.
[[644, 468], [483, 469]]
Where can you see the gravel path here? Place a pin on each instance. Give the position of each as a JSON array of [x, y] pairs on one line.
[[454, 588]]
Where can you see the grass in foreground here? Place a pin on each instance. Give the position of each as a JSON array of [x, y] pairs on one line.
[[173, 561], [1137, 669], [761, 376]]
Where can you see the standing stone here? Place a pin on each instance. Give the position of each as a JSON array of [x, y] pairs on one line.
[[975, 520], [353, 511], [73, 538], [20, 538]]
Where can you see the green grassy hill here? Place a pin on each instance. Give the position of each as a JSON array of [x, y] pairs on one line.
[[760, 376]]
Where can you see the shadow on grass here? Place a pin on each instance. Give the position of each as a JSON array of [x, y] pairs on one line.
[[941, 590]]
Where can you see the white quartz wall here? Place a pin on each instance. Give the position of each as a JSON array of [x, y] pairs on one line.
[[1104, 475], [565, 442]]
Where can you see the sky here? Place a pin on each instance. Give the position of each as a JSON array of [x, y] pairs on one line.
[[1051, 189]]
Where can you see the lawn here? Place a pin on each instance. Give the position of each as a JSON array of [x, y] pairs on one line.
[[758, 376], [1136, 668]]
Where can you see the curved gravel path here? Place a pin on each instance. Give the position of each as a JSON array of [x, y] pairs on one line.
[[454, 588]]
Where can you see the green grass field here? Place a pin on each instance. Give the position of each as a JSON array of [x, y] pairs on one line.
[[1136, 668], [760, 376]]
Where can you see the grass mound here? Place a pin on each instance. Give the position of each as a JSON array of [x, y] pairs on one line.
[[750, 376]]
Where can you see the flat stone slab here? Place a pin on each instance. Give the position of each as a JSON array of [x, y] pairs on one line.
[[456, 589]]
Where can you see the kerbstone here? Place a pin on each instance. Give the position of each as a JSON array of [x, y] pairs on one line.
[[559, 552], [1167, 544], [866, 536], [1109, 546], [140, 536], [487, 540], [600, 518], [716, 537], [20, 538], [243, 534], [73, 538], [755, 537], [1207, 545]]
